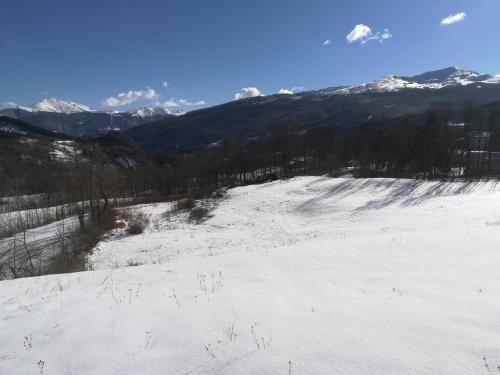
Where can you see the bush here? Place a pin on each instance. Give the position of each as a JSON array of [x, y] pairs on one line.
[[185, 204], [198, 214], [137, 223], [219, 194], [134, 263], [72, 248]]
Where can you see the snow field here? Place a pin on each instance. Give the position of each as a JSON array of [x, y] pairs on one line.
[[306, 276]]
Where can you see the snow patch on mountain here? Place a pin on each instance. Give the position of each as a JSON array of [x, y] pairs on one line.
[[64, 151], [153, 111]]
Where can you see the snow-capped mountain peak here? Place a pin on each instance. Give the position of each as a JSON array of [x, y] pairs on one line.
[[148, 111], [58, 106], [453, 76], [448, 77], [153, 111], [53, 105]]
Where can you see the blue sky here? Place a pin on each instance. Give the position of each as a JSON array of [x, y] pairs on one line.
[[207, 51]]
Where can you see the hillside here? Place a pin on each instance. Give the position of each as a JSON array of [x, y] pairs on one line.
[[338, 107], [38, 155]]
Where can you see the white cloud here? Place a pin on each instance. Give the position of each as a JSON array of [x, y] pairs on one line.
[[170, 104], [164, 84], [174, 103], [360, 32], [291, 91], [327, 42], [8, 104], [363, 34], [247, 92], [454, 18], [385, 35], [191, 104], [129, 97]]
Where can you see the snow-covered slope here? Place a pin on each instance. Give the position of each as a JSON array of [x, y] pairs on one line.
[[148, 111], [438, 79], [55, 105], [306, 276], [153, 111]]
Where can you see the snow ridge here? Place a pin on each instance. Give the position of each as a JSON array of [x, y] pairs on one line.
[[153, 111], [435, 80]]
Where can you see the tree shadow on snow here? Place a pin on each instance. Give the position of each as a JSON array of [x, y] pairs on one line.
[[389, 192]]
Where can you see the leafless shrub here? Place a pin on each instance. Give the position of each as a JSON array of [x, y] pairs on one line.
[[219, 194], [185, 204], [217, 282], [72, 247], [148, 339], [138, 223], [120, 224], [167, 215], [134, 263], [230, 332], [208, 349], [28, 342], [198, 214], [41, 366]]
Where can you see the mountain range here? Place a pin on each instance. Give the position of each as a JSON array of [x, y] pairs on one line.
[[343, 107], [158, 131], [80, 120], [435, 80]]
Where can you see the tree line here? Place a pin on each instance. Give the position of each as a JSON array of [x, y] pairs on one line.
[[429, 146]]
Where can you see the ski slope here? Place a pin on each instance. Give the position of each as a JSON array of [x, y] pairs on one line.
[[307, 276]]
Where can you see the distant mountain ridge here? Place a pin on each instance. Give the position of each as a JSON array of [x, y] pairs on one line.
[[159, 130], [341, 107], [80, 120], [435, 80], [51, 104]]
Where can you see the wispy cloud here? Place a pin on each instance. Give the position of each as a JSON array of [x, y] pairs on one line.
[[8, 104], [164, 84], [171, 103], [130, 97], [363, 34], [454, 18], [327, 42], [191, 104], [178, 103], [247, 92]]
